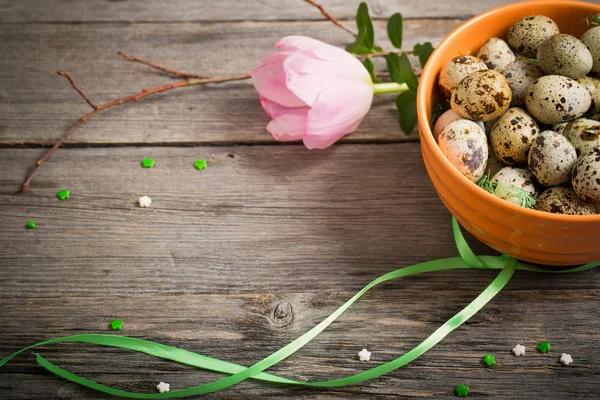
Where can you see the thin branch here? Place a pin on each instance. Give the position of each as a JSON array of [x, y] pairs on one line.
[[163, 69], [383, 53], [135, 97], [68, 76], [331, 17]]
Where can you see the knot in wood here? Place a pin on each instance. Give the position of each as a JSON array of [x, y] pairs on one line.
[[282, 314]]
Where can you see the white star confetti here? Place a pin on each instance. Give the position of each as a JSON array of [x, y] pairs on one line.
[[519, 350], [364, 355], [145, 201], [566, 359], [163, 387]]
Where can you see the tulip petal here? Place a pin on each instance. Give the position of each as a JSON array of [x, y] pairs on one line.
[[275, 110], [289, 126], [325, 52], [307, 75], [269, 79], [338, 110]]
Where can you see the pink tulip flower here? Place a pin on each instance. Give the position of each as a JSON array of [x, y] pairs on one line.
[[313, 91]]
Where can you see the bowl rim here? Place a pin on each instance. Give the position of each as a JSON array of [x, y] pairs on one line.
[[426, 134]]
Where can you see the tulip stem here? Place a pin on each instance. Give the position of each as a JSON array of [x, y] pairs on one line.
[[390, 87]]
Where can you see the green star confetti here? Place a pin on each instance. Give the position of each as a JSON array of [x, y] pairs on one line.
[[116, 325], [200, 165], [462, 391], [63, 194], [31, 225], [489, 360], [147, 163], [544, 347]]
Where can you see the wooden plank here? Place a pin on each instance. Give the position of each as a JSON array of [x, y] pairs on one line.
[[37, 106], [15, 11], [206, 266]]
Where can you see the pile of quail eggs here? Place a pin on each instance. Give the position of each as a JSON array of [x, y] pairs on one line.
[[525, 112]]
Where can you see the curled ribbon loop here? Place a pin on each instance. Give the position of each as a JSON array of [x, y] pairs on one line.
[[239, 373]]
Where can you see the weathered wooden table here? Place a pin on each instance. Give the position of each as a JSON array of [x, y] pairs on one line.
[[239, 259]]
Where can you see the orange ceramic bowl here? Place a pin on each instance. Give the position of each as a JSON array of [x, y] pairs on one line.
[[529, 235]]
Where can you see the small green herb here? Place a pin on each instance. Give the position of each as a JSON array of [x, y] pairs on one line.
[[489, 360], [31, 225], [116, 325], [200, 165], [544, 347], [462, 391], [147, 163], [63, 194]]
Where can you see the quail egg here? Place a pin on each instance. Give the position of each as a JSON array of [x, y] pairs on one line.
[[553, 99], [445, 119], [591, 39], [482, 96], [551, 158], [563, 200], [520, 75], [564, 55], [584, 135], [526, 35], [593, 87], [455, 71], [464, 144], [496, 54], [512, 136], [517, 177], [586, 176]]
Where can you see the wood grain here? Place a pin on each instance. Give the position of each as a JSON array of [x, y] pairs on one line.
[[37, 106], [267, 228], [15, 11]]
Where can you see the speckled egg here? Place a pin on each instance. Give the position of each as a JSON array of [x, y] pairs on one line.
[[584, 135], [551, 158], [586, 176], [444, 119], [526, 35], [517, 177], [512, 136], [464, 144], [593, 87], [482, 96], [564, 55], [455, 71], [563, 200], [496, 54], [520, 75], [553, 99], [591, 39]]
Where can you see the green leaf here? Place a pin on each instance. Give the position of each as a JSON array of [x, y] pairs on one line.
[[394, 29], [406, 103], [423, 51], [393, 64], [407, 73], [365, 40], [368, 63], [405, 99]]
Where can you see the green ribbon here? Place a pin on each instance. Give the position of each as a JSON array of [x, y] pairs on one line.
[[239, 373]]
